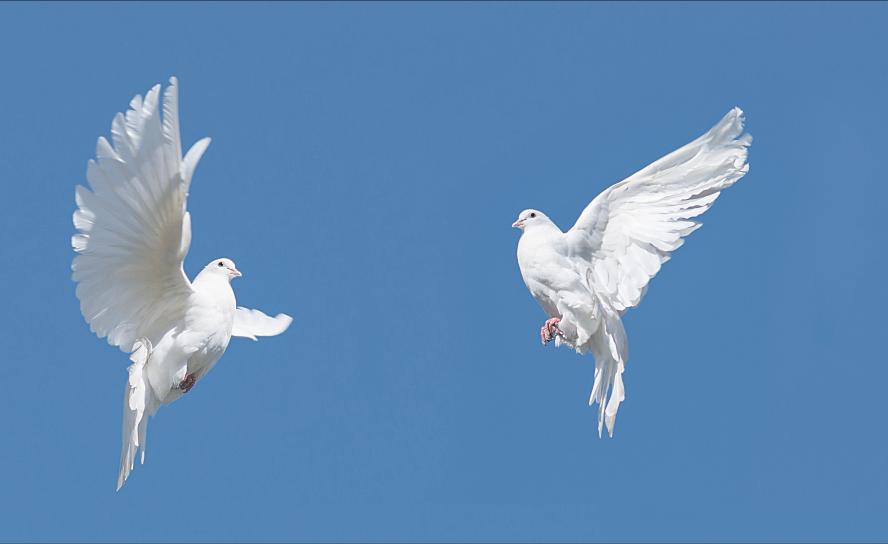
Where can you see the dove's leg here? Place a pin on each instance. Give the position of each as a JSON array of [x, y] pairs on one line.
[[550, 330], [189, 381]]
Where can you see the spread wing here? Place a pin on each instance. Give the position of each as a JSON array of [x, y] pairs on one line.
[[630, 229], [133, 230], [252, 323]]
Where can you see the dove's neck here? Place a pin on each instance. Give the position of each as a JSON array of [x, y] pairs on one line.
[[215, 289], [541, 231], [537, 243]]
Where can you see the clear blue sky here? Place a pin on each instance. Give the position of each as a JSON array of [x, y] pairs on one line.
[[367, 162]]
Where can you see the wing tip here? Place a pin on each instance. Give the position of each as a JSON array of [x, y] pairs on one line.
[[745, 139], [731, 125], [729, 131]]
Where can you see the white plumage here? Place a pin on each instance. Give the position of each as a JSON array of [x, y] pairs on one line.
[[587, 277], [133, 232]]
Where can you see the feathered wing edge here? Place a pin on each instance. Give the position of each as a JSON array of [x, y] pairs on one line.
[[249, 323], [629, 230], [133, 230]]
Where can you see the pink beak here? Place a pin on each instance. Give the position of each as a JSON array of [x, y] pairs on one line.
[[235, 273], [518, 224]]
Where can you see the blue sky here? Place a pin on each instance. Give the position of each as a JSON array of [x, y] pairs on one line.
[[367, 162]]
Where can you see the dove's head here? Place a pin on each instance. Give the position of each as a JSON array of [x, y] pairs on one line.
[[529, 218], [223, 267]]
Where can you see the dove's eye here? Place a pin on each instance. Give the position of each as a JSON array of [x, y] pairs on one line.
[[533, 215], [220, 263]]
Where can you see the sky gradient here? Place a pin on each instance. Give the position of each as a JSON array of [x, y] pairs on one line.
[[367, 162]]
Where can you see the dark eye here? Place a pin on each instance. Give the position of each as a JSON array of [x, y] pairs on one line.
[[220, 263], [533, 215]]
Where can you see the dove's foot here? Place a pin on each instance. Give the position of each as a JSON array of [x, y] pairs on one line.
[[550, 330], [189, 381]]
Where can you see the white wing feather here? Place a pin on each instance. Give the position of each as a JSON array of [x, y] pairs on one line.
[[252, 323], [133, 227], [626, 233], [133, 232], [623, 236]]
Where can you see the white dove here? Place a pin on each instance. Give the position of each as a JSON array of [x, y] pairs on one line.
[[587, 277], [133, 235]]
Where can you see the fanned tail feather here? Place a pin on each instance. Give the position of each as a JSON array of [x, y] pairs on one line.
[[609, 365], [138, 406], [598, 329], [608, 375]]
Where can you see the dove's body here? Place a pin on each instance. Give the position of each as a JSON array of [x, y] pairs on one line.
[[212, 312], [544, 265], [587, 277], [194, 347], [133, 234]]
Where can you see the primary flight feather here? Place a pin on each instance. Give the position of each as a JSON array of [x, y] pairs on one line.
[[133, 232], [587, 277]]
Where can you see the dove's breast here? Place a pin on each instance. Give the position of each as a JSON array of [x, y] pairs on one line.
[[548, 272], [211, 315], [543, 261]]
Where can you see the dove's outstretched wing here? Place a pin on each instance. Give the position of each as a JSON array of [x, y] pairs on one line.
[[629, 230], [133, 227], [133, 232], [252, 323], [625, 234]]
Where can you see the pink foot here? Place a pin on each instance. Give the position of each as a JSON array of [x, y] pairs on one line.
[[189, 381], [550, 330]]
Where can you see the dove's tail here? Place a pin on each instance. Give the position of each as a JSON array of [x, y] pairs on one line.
[[610, 360], [138, 405]]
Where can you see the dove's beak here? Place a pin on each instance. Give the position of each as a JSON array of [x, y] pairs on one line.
[[518, 224], [235, 273]]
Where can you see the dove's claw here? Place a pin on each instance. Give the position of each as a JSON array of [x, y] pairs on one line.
[[189, 381], [550, 330]]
